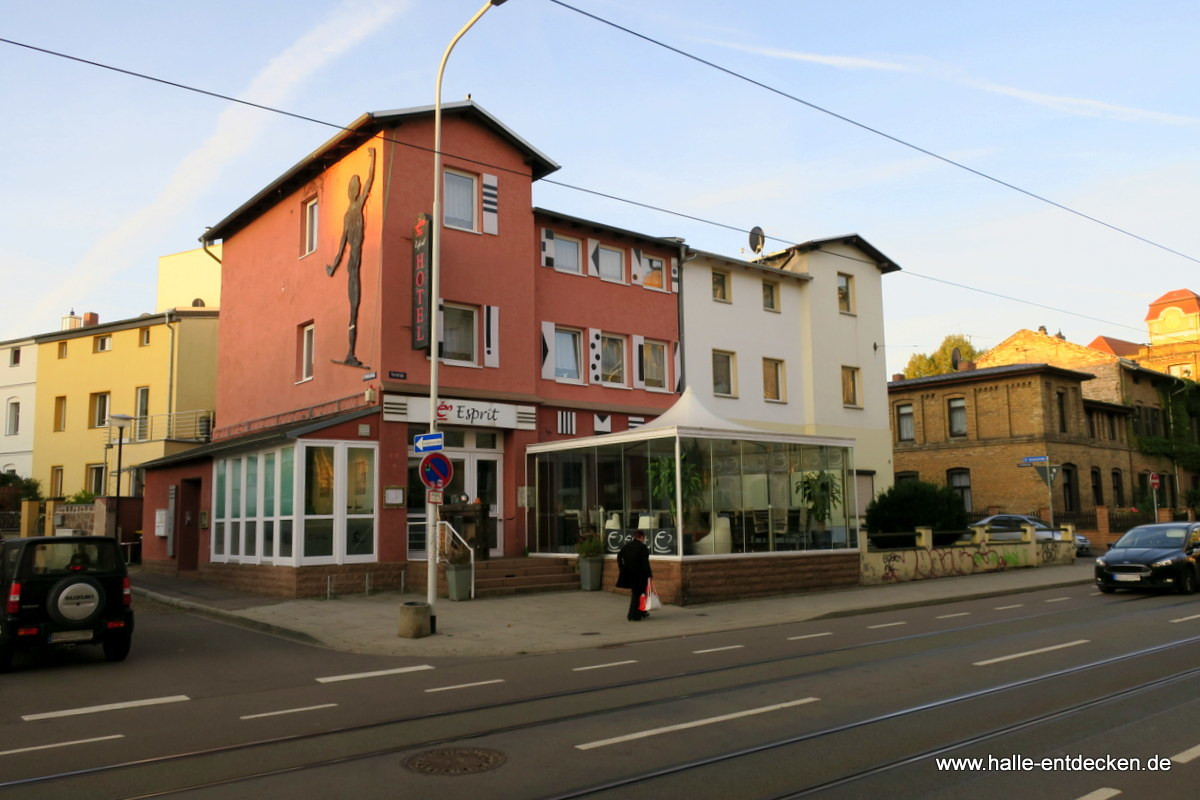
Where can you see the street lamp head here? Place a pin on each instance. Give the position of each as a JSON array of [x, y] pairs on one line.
[[497, 2], [119, 421]]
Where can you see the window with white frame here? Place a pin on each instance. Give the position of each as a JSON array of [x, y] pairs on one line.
[[460, 334], [724, 373], [101, 344], [655, 277], [905, 429], [94, 479], [770, 291], [60, 413], [957, 413], [566, 354], [56, 481], [306, 343], [612, 360], [12, 423], [14, 357], [567, 254], [850, 386], [256, 518], [141, 425], [611, 264], [460, 201], [960, 481], [773, 380], [720, 286], [845, 293], [98, 410], [308, 240], [654, 365], [143, 337]]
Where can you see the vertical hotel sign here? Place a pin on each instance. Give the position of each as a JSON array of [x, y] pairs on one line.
[[420, 290]]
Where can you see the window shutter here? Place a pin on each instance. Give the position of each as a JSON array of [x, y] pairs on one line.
[[548, 350], [638, 268], [491, 336], [639, 346], [593, 248], [547, 247], [674, 274], [594, 354], [491, 205]]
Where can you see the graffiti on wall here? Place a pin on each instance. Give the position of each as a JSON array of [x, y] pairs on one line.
[[915, 564]]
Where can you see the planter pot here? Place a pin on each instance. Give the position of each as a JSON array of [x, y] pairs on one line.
[[458, 581], [591, 570]]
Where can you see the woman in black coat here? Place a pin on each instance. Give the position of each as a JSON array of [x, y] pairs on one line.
[[633, 564]]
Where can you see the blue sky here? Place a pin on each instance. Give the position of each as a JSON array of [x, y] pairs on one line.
[[1090, 104]]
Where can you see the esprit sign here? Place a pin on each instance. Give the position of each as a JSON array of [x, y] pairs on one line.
[[420, 289], [466, 412]]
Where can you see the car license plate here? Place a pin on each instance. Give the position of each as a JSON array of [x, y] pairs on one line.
[[1120, 576], [69, 636]]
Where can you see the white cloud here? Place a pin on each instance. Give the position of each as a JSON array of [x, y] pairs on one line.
[[236, 132]]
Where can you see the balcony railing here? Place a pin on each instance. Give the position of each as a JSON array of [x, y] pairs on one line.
[[180, 426]]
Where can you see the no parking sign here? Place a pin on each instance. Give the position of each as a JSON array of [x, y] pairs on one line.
[[436, 470]]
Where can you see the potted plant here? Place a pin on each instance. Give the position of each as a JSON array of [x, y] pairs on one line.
[[459, 570], [820, 492], [590, 548]]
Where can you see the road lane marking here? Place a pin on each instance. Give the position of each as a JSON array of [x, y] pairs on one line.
[[74, 712], [629, 737], [1005, 608], [60, 744], [1186, 755], [377, 674], [1187, 619], [886, 625], [719, 649], [1101, 794], [604, 666], [1057, 599], [809, 636], [288, 711], [959, 614], [464, 685], [1039, 651]]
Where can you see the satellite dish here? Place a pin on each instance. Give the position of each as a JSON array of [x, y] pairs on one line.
[[955, 357], [756, 239]]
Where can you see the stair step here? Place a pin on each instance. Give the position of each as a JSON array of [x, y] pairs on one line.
[[528, 580], [504, 591]]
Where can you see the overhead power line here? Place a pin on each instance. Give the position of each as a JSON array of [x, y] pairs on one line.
[[924, 151], [594, 192]]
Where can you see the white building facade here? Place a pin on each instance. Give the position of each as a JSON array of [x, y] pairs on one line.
[[18, 387]]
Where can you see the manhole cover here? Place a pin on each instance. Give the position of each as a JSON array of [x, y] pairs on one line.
[[456, 761]]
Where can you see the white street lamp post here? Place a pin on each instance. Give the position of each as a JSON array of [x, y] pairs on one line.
[[431, 543]]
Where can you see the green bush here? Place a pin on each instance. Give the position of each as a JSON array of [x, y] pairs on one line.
[[909, 505]]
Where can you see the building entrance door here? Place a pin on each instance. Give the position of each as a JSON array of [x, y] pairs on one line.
[[478, 475]]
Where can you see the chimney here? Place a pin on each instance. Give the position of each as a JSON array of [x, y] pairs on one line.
[[899, 376], [1042, 330], [91, 319], [70, 322], [966, 366]]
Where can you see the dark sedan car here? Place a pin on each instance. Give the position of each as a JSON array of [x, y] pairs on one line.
[[1159, 556]]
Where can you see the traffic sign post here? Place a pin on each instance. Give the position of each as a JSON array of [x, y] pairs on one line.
[[1048, 472], [1155, 482]]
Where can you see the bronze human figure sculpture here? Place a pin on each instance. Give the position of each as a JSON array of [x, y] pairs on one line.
[[352, 237]]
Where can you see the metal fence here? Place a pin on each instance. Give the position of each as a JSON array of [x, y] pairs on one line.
[[1121, 521], [10, 522]]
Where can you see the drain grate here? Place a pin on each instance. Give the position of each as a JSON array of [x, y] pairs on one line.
[[456, 761]]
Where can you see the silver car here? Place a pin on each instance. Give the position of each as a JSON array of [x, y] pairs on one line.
[[1008, 527]]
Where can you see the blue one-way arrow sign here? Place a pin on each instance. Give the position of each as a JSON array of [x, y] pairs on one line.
[[429, 442]]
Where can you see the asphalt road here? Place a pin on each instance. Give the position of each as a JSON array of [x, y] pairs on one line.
[[864, 706]]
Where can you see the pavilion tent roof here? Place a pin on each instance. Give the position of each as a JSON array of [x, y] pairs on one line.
[[689, 417]]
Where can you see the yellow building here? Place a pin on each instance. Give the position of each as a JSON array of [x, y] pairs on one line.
[[191, 279], [159, 369]]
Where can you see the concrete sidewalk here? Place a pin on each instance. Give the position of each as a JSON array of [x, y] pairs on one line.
[[546, 623]]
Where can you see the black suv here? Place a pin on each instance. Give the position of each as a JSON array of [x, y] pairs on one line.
[[64, 590]]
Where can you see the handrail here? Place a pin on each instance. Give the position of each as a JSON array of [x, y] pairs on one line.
[[465, 544]]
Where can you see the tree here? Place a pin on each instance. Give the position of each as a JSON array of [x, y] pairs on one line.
[[941, 361]]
